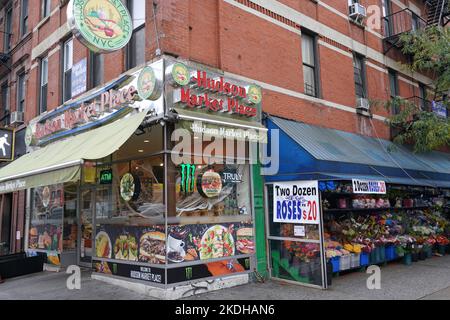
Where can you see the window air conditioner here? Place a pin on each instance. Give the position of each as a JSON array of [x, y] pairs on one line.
[[16, 117], [362, 105], [357, 11]]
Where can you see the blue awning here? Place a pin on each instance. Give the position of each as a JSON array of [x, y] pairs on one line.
[[312, 152]]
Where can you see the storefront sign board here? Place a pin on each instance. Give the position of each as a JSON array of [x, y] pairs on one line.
[[369, 186], [296, 202], [100, 106], [138, 272], [206, 91]]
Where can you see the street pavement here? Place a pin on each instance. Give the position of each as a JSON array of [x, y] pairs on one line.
[[429, 279]]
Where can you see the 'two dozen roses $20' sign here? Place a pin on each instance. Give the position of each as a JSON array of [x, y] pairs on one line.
[[296, 202]]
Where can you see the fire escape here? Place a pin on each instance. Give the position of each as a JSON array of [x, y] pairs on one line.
[[438, 12], [405, 20]]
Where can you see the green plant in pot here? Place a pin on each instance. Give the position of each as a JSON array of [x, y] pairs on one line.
[[405, 251], [415, 251]]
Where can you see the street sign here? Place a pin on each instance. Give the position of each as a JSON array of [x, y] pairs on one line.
[[7, 141]]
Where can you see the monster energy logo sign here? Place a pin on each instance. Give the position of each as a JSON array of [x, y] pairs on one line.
[[188, 273], [187, 178]]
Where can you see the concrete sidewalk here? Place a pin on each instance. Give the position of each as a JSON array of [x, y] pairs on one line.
[[429, 279]]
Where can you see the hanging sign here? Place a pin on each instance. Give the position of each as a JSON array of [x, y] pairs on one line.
[[7, 140], [101, 25], [369, 186], [296, 202], [148, 85]]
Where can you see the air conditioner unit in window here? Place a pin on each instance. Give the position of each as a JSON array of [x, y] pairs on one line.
[[16, 117], [357, 11], [362, 105]]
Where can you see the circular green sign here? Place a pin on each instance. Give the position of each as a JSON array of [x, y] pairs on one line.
[[254, 94], [180, 74], [28, 136], [102, 25], [146, 84]]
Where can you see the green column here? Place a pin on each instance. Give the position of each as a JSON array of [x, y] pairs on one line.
[[260, 225]]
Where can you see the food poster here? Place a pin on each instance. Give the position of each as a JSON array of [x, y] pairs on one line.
[[145, 273], [117, 242], [46, 237], [152, 245], [209, 241], [146, 244], [212, 269], [213, 190]]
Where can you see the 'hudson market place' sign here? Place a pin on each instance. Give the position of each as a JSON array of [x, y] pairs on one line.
[[234, 106], [137, 91]]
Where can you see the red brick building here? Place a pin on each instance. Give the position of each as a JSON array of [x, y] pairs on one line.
[[304, 54]]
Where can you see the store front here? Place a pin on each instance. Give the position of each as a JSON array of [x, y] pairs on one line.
[[375, 203], [12, 205], [147, 180]]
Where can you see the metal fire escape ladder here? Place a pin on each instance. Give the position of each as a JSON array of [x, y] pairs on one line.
[[438, 12]]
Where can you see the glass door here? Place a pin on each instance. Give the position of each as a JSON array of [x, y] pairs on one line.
[[86, 226], [294, 228]]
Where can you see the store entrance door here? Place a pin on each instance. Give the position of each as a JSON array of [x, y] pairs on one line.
[[86, 226], [295, 234], [5, 223]]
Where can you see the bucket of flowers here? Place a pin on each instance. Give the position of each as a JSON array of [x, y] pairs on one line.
[[404, 249], [442, 243], [428, 246]]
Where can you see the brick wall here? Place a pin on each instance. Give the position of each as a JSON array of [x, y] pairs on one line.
[[243, 37]]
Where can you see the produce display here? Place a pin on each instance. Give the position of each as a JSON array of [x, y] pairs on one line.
[[407, 230]]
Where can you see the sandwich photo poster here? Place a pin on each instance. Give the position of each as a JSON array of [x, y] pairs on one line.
[[183, 243], [143, 244], [209, 241]]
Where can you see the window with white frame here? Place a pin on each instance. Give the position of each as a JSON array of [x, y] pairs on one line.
[[24, 18], [45, 8], [67, 69], [136, 47], [43, 88], [359, 76], [21, 92], [8, 27], [309, 64], [5, 103]]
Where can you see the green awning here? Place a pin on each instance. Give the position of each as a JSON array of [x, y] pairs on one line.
[[60, 162], [212, 123]]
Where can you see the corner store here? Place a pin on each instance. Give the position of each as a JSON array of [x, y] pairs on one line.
[[317, 154], [81, 152]]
